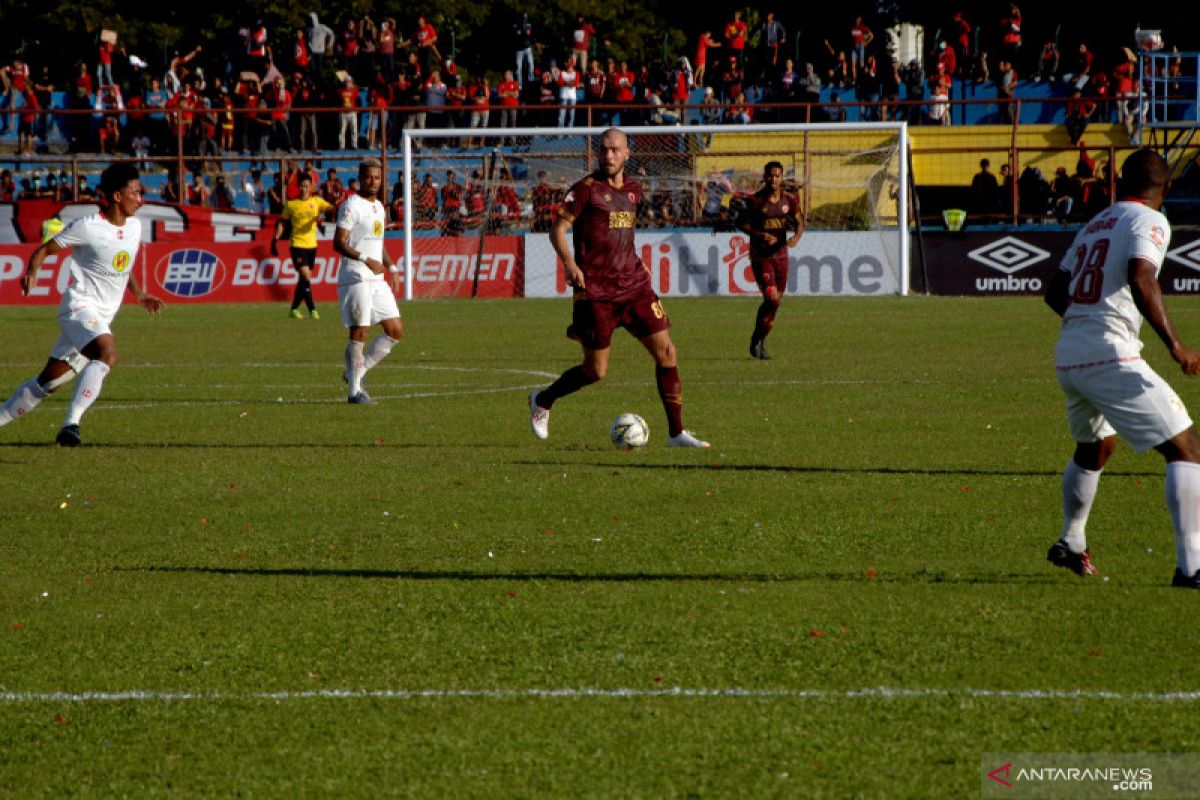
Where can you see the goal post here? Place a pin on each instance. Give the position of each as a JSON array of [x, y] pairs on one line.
[[478, 206]]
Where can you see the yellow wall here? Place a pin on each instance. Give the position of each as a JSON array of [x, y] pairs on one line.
[[993, 142]]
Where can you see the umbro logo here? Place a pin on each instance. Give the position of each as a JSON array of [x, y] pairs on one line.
[[1188, 255], [1010, 254]]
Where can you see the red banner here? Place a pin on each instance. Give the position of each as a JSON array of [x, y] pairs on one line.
[[199, 272], [21, 223]]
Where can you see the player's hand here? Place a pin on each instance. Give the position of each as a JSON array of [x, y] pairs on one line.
[[375, 265], [26, 283], [575, 277], [1187, 359], [151, 303]]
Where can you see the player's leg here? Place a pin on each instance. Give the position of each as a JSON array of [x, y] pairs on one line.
[[1095, 441], [592, 323], [767, 277], [1182, 453], [354, 303], [29, 394], [102, 352], [649, 322], [381, 345], [303, 260]]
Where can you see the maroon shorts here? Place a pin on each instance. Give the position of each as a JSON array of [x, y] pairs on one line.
[[594, 321], [772, 271]]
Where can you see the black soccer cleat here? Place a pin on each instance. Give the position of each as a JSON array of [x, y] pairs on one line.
[[1080, 563], [1182, 581], [69, 436], [758, 349]]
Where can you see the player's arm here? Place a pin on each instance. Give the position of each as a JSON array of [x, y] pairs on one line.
[[278, 234], [799, 221], [1058, 292], [394, 272], [558, 240], [144, 299], [48, 248], [1147, 296]]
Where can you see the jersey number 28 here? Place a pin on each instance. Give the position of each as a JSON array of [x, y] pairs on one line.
[[1088, 274]]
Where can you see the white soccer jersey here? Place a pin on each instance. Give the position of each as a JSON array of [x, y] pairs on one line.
[[365, 219], [1102, 322], [102, 259]]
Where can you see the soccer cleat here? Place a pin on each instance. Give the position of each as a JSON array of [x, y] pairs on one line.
[[758, 349], [314, 314], [360, 399], [1182, 581], [686, 439], [295, 314], [1080, 563], [69, 436], [539, 418]]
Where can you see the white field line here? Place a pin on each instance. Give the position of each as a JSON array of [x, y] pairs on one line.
[[305, 402], [870, 693]]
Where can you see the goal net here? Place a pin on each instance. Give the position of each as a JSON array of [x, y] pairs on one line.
[[478, 206]]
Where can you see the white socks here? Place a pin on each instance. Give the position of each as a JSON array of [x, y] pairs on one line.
[[357, 363], [1183, 498], [378, 351], [1078, 492], [355, 366], [87, 389], [23, 400]]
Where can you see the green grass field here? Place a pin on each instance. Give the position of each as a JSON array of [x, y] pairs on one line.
[[846, 596]]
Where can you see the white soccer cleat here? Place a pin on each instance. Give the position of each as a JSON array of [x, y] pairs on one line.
[[539, 418], [686, 439]]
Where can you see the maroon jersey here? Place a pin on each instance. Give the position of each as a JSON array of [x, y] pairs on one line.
[[763, 216], [604, 220]]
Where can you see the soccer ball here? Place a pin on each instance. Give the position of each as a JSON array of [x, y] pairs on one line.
[[629, 431]]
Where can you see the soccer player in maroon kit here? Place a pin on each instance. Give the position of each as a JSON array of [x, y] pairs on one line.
[[612, 289], [765, 218]]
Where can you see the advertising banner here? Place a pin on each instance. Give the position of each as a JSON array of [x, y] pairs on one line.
[[697, 264], [199, 272], [1022, 262]]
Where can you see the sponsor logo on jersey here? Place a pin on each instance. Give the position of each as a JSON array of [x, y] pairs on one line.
[[620, 219], [121, 261], [1008, 255], [377, 228], [1158, 236], [190, 273]]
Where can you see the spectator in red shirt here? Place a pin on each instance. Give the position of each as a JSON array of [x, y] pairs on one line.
[[581, 40], [425, 202], [28, 119], [735, 38], [301, 56], [623, 82], [104, 74], [1124, 78], [332, 190], [479, 97], [860, 39], [351, 45], [426, 38], [1010, 34], [509, 92], [595, 85], [379, 98], [257, 51], [705, 41], [961, 31], [348, 118], [281, 103]]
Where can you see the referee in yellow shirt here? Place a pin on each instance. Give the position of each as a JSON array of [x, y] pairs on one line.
[[304, 212]]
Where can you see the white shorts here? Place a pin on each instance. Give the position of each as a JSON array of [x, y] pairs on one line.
[[1126, 398], [79, 327], [366, 304]]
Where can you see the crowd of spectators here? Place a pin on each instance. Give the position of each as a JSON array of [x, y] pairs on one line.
[[359, 82], [252, 98]]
